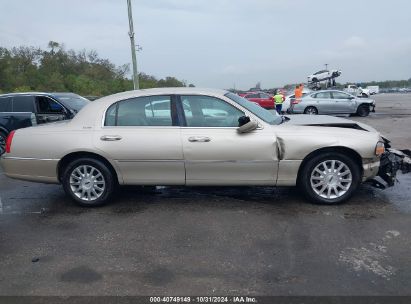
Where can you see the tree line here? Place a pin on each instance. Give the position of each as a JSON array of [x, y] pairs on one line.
[[56, 69]]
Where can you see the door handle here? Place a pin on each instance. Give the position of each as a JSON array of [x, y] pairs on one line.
[[111, 137], [199, 139]]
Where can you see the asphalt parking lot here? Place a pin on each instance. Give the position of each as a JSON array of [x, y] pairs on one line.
[[211, 241]]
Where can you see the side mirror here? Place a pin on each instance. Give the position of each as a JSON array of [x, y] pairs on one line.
[[248, 127], [243, 120]]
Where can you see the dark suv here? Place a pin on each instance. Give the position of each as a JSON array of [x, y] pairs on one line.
[[19, 110]]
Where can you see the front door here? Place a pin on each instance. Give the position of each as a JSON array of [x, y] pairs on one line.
[[216, 154], [48, 110], [344, 103], [143, 138]]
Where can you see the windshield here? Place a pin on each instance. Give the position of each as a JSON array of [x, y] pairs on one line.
[[72, 101], [269, 117]]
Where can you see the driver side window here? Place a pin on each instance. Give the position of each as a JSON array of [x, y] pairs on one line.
[[46, 105], [206, 111]]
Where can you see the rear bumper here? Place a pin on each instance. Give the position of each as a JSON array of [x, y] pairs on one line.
[[30, 169]]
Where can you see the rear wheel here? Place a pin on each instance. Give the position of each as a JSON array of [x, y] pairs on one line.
[[363, 110], [3, 138], [89, 182], [311, 111], [329, 178]]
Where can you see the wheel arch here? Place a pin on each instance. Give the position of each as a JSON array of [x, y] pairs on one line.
[[311, 106], [337, 149], [83, 154], [4, 130]]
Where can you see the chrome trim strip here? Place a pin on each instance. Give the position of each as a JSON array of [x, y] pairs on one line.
[[231, 161], [29, 158], [148, 160], [193, 161]]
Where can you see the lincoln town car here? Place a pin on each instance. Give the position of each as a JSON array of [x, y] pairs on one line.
[[199, 137]]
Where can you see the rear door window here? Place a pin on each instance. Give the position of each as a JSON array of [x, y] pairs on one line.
[[323, 95], [252, 96], [5, 104], [264, 96], [141, 111], [23, 104]]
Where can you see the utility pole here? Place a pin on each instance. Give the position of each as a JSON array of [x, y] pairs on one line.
[[133, 46], [326, 66]]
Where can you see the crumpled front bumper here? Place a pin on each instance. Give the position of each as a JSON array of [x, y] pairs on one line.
[[391, 162]]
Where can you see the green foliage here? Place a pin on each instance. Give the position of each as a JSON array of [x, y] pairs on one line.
[[56, 69], [389, 84]]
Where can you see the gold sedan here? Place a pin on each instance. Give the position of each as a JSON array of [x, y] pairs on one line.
[[189, 136]]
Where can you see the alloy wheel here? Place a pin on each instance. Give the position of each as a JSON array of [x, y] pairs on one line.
[[331, 179], [311, 111], [87, 183]]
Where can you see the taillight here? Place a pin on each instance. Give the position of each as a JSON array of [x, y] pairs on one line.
[[9, 140]]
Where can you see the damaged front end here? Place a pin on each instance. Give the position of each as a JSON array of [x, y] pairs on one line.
[[391, 162]]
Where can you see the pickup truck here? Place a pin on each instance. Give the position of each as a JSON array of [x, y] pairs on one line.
[[357, 91], [20, 110]]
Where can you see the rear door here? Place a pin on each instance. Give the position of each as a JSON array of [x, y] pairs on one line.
[[216, 154], [142, 136], [323, 102]]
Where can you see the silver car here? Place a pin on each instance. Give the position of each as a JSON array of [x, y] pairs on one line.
[[194, 137], [333, 102]]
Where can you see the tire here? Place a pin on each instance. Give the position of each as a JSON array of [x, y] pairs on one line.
[[311, 111], [3, 138], [339, 185], [363, 110], [80, 188]]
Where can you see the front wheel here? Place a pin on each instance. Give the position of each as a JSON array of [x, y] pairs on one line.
[[329, 178], [363, 110], [88, 182]]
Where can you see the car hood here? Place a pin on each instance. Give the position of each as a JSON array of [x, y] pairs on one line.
[[327, 121]]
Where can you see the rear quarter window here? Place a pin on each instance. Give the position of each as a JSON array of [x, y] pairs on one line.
[[5, 104]]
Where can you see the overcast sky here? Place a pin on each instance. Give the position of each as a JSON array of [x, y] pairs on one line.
[[222, 43]]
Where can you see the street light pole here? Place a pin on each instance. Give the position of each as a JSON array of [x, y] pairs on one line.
[[133, 46]]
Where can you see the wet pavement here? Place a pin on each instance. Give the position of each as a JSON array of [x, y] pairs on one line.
[[209, 241]]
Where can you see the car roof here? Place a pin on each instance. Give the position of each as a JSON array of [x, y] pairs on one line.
[[102, 103], [327, 91], [25, 93], [160, 91]]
